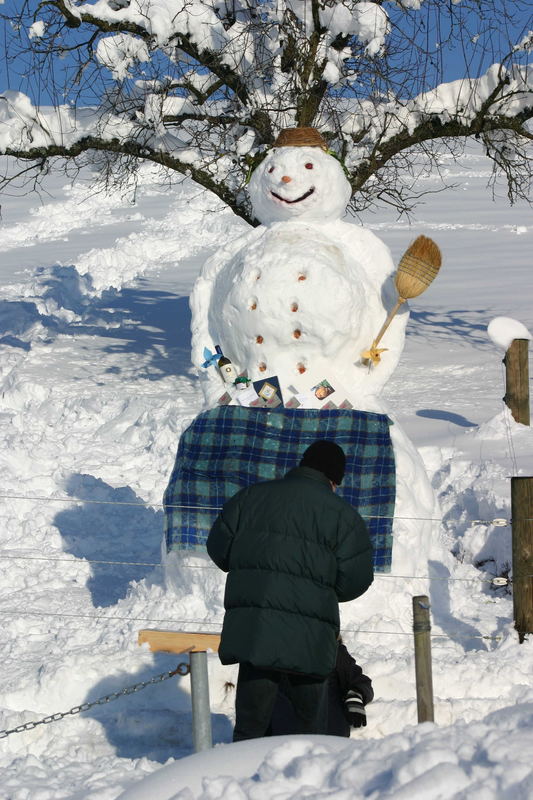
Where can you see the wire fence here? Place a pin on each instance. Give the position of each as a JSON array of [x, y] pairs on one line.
[[215, 626], [184, 669], [493, 581], [497, 521], [210, 626], [496, 580]]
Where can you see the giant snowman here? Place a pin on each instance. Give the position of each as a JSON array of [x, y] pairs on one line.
[[301, 297]]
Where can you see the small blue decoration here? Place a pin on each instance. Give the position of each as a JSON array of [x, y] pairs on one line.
[[210, 358]]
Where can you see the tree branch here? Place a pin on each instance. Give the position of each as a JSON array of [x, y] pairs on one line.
[[137, 151], [195, 76]]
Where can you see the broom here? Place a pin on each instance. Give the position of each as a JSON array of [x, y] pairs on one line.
[[417, 268]]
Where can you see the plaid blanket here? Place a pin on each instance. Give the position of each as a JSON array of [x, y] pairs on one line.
[[230, 447]]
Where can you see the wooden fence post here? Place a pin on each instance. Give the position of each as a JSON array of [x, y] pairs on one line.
[[522, 526], [424, 677], [517, 380]]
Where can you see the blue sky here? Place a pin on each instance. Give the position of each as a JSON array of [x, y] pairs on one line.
[[22, 74]]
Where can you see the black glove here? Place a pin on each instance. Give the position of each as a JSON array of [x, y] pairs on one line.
[[355, 709]]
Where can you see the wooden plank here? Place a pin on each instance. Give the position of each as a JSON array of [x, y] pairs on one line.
[[522, 521], [179, 642], [423, 672], [517, 380]]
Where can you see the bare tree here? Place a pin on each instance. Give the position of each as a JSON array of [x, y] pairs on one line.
[[202, 87]]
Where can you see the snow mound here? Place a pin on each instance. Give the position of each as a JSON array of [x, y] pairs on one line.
[[486, 758], [503, 330]]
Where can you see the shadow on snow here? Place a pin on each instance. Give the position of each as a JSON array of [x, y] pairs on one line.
[[154, 324], [467, 324], [466, 635], [107, 531], [447, 416], [156, 722]]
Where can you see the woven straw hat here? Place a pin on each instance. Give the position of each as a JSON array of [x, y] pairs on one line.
[[300, 137]]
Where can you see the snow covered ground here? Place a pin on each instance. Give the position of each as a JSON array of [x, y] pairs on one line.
[[96, 386]]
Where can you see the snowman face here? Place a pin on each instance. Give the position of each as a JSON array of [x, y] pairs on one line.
[[299, 182]]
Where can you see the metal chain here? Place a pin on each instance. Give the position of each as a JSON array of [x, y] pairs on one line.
[[182, 669]]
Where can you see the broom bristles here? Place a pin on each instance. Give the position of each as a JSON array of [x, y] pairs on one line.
[[418, 267]]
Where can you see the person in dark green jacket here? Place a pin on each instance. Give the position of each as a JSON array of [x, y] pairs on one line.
[[293, 550]]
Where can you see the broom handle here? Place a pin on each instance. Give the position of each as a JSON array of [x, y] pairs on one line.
[[388, 321]]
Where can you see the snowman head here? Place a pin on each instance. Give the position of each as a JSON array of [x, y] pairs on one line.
[[302, 182]]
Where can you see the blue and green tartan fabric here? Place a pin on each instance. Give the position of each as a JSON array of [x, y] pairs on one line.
[[230, 447]]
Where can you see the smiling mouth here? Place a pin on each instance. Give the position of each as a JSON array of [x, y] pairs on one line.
[[298, 199]]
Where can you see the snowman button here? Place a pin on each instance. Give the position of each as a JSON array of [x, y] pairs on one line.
[[294, 306], [301, 368], [262, 366], [259, 339], [302, 277], [297, 333]]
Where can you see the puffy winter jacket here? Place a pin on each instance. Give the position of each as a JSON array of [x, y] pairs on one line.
[[293, 550]]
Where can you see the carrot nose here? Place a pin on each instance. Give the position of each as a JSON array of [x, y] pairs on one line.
[[286, 179]]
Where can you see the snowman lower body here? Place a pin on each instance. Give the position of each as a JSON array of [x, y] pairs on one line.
[[416, 514], [230, 447]]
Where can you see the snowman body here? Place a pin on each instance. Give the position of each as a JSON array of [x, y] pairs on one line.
[[300, 298]]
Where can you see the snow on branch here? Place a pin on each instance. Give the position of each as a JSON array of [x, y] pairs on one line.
[[499, 99], [25, 128]]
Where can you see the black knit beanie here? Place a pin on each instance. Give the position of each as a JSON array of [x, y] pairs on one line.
[[326, 457]]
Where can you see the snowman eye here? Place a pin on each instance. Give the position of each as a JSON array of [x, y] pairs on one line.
[[271, 169], [309, 165]]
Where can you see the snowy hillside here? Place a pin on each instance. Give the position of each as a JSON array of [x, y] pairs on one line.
[[97, 385]]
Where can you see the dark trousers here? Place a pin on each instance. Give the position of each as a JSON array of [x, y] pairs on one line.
[[256, 694]]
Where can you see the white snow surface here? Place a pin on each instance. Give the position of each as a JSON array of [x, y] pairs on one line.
[[97, 384]]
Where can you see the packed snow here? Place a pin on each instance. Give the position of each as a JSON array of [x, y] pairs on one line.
[[98, 383], [302, 295], [504, 330]]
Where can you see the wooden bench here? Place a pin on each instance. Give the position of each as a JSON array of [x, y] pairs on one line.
[[179, 642], [197, 645]]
